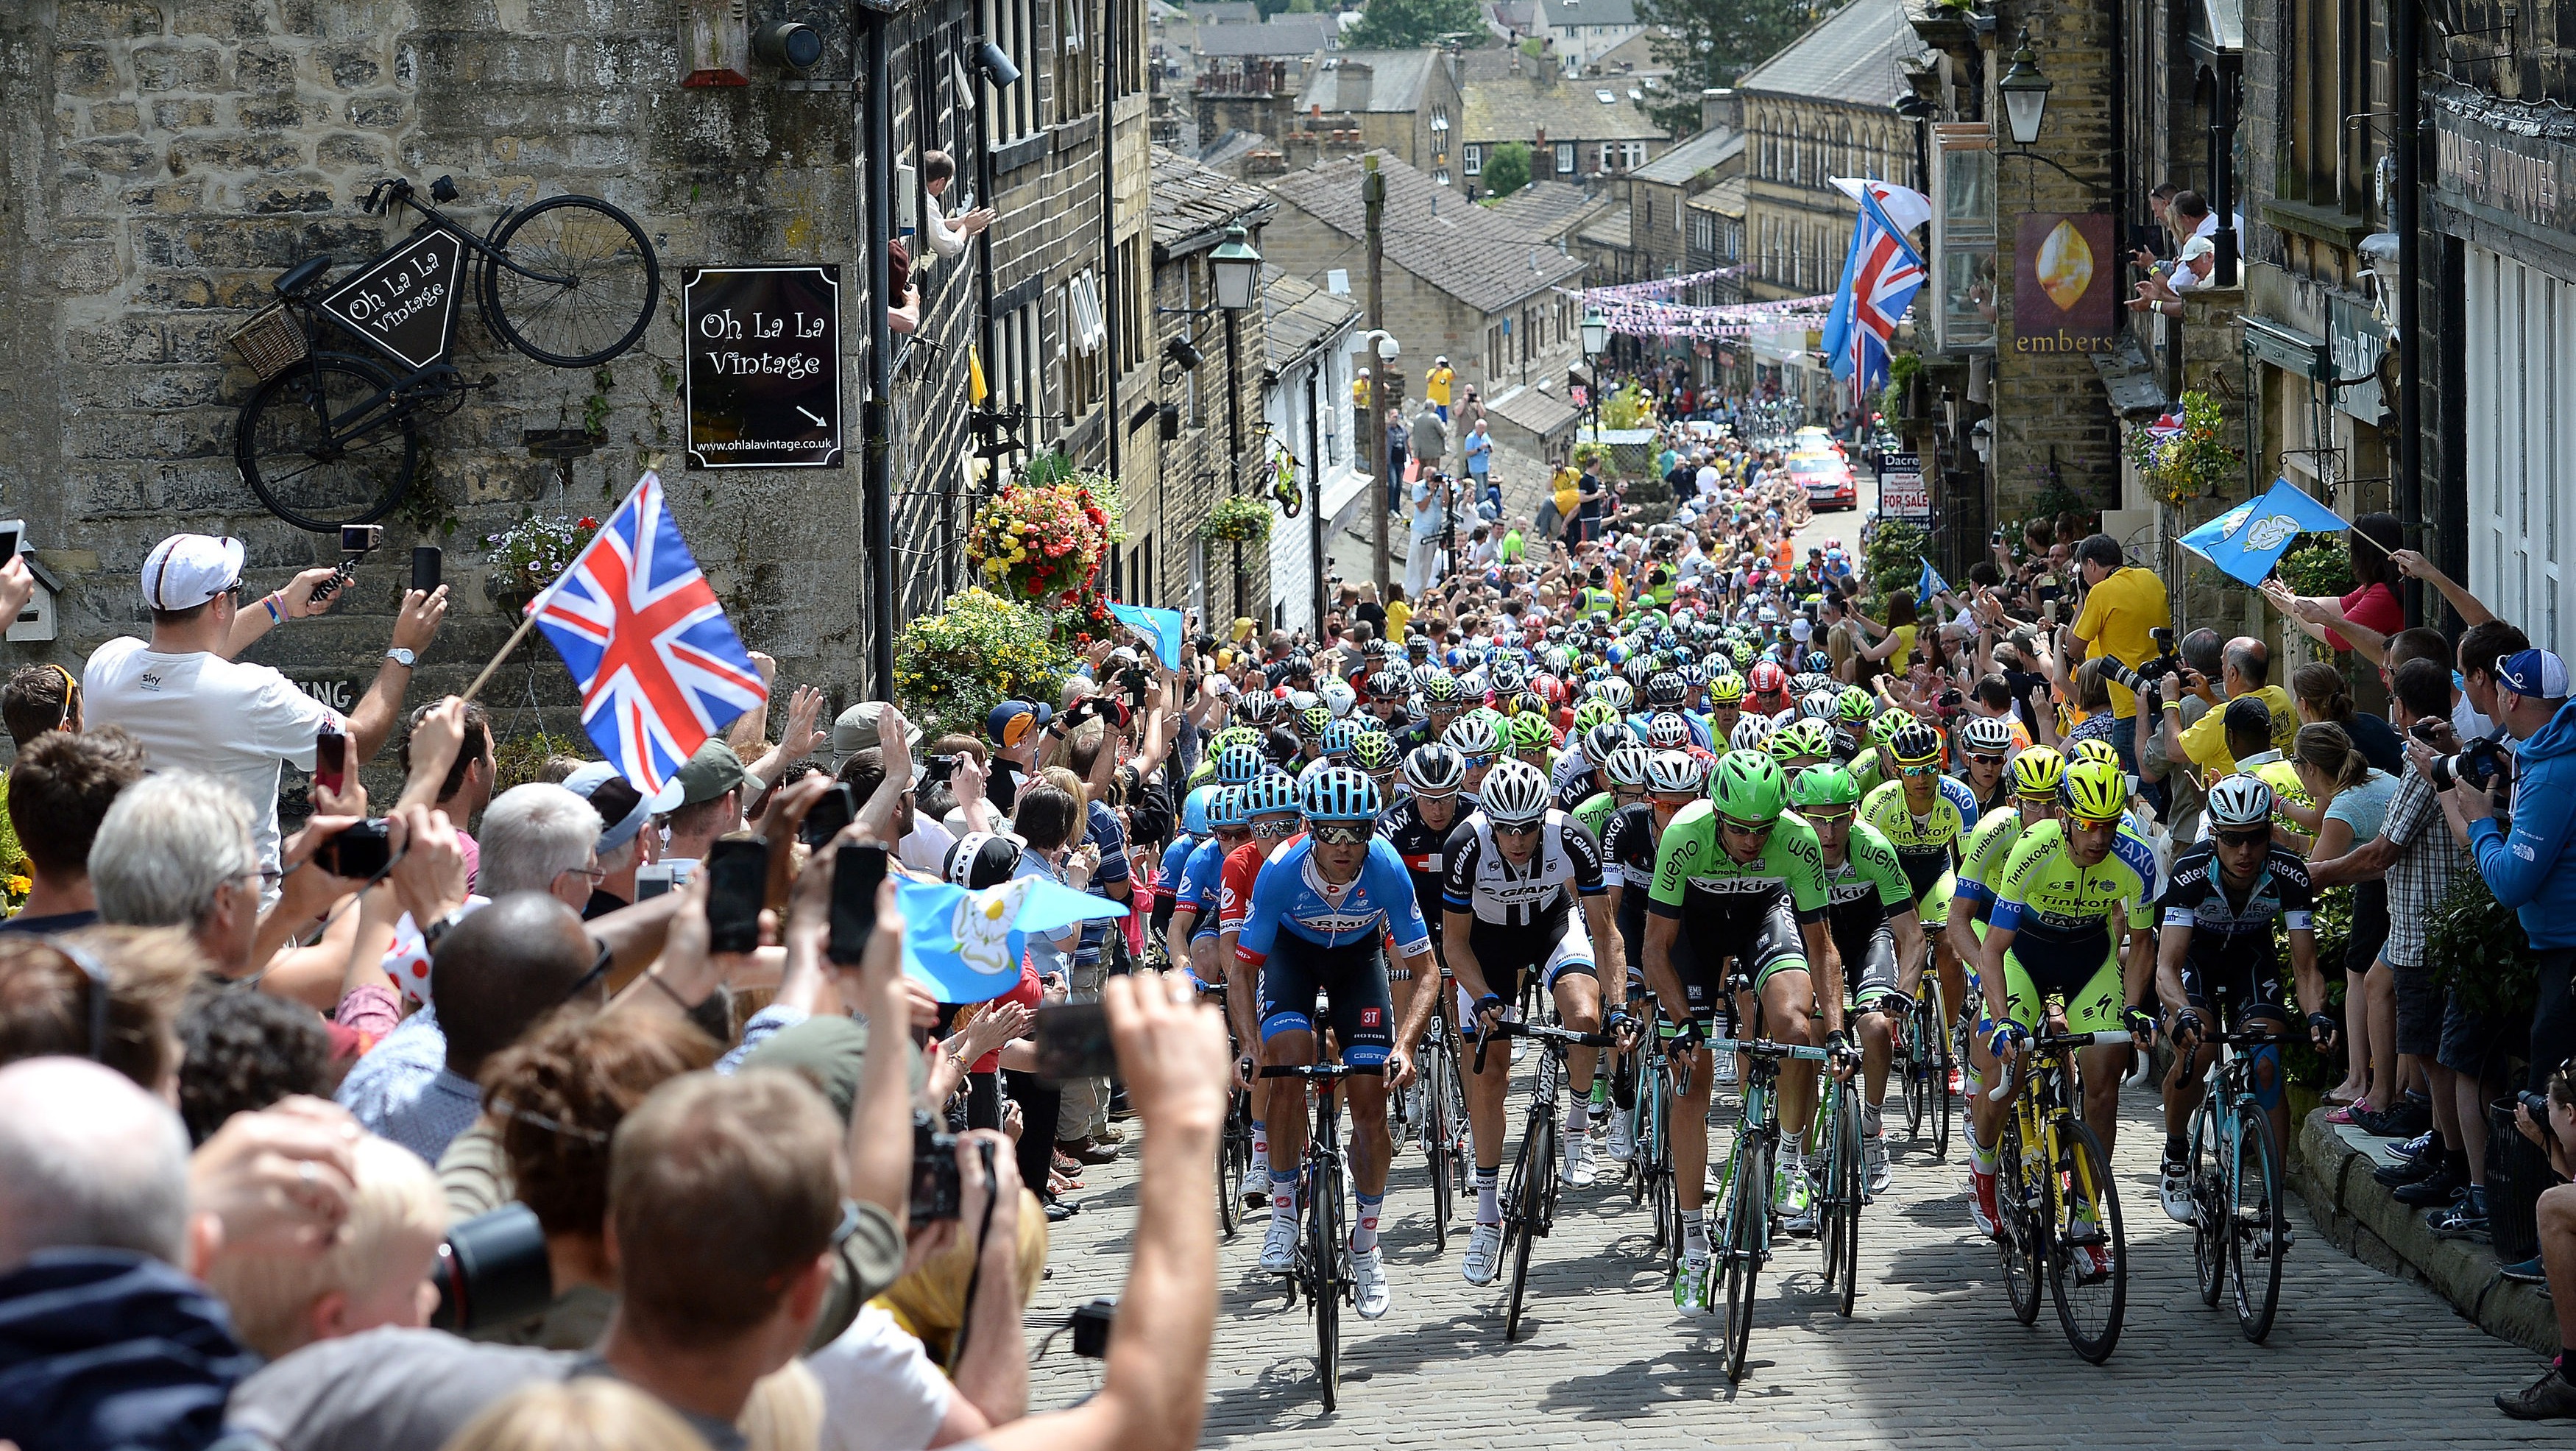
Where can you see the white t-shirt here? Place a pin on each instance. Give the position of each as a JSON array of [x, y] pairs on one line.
[[926, 848], [880, 1391], [237, 723]]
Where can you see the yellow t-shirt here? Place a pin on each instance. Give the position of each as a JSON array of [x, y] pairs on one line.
[[1568, 498], [1398, 614], [2117, 615], [1904, 654], [2205, 740], [1435, 385]]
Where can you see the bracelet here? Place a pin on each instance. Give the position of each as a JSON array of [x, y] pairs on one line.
[[275, 616]]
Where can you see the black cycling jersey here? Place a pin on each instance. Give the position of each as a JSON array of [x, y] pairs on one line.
[[1424, 851], [1538, 896], [1628, 848], [2226, 930]]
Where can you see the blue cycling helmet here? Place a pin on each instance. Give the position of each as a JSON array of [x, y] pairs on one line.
[[1240, 765], [1195, 808], [1275, 792], [1338, 738], [1338, 793], [1225, 809]]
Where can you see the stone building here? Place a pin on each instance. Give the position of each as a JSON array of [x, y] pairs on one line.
[[1209, 442], [1403, 102], [1457, 282], [174, 159], [1580, 31], [1577, 129], [1249, 76], [1306, 406]]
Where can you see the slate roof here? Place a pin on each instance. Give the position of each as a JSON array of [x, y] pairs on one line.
[[1613, 230], [1567, 14], [1192, 204], [1397, 80], [1280, 35], [1517, 108], [1298, 316], [1726, 198], [1430, 231], [1850, 56], [1224, 12], [1541, 413], [1700, 153], [1543, 211]]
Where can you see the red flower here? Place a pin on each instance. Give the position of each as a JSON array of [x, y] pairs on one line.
[[587, 523]]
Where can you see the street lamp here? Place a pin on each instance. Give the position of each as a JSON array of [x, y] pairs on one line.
[[2025, 93], [1238, 271], [1595, 330]]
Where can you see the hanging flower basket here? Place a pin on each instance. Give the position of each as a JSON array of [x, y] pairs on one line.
[[531, 554], [2184, 455], [1041, 543], [1237, 520], [952, 668]]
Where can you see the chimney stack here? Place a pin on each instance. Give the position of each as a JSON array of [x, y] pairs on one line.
[[1720, 107], [1358, 78]]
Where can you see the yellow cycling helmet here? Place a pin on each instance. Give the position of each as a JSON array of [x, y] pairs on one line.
[[2095, 791], [1725, 688], [2037, 771], [2097, 749]]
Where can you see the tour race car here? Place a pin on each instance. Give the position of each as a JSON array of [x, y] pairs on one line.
[[1818, 464]]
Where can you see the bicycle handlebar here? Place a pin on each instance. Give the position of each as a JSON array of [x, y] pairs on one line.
[[1765, 1048], [2056, 1043], [1324, 1070]]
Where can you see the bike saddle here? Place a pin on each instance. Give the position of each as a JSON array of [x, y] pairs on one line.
[[294, 280]]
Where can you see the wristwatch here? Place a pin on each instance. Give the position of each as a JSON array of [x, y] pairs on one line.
[[401, 657]]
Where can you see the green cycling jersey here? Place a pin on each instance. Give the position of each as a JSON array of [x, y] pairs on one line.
[[1868, 888], [2061, 913], [1982, 857], [1595, 811], [1693, 869]]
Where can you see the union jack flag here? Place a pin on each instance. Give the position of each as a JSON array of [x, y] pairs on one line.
[[1881, 274], [658, 665]]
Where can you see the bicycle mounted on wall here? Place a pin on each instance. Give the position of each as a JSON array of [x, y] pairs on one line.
[[331, 438]]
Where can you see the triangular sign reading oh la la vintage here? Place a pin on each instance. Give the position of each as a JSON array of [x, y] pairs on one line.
[[405, 301]]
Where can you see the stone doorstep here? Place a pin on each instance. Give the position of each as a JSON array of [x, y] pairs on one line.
[[2332, 1172]]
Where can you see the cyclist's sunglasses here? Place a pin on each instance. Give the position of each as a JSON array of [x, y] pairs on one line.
[[1517, 828], [1474, 761], [1985, 760], [1233, 833], [1740, 829], [1342, 833], [2243, 838], [1270, 829], [1824, 818], [1920, 768]]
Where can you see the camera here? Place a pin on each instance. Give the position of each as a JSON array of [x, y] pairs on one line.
[[1135, 680], [2538, 1103], [492, 1270], [2167, 660], [2483, 764], [1092, 1321], [935, 1191], [359, 853]]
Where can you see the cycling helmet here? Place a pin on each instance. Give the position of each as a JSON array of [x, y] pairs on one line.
[[1817, 705], [1750, 734], [1914, 743], [1194, 809], [1692, 676], [1725, 687], [1807, 682], [1515, 792], [1530, 733], [1628, 765], [1592, 714], [1338, 697], [1255, 707], [1434, 770], [1338, 738], [2096, 749], [1741, 652], [2037, 771], [1748, 788], [1233, 736], [1338, 793], [1986, 733], [1240, 765], [1301, 701], [1471, 735], [1275, 792], [1441, 690], [1226, 809], [1884, 728], [1825, 785], [1805, 738], [1373, 751], [1603, 740], [1767, 678], [1666, 690], [1854, 705], [1621, 695], [1507, 674], [2238, 801], [1667, 731], [1312, 720], [1526, 702], [1675, 773], [1391, 682], [2095, 791]]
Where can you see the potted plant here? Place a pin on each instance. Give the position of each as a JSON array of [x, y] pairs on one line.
[[2184, 455], [1041, 542], [952, 668], [1237, 519], [531, 554]]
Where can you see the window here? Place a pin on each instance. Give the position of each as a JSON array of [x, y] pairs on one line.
[[1011, 25], [1441, 176], [1963, 236], [2327, 166], [1077, 74], [1017, 378], [1565, 158], [1770, 157], [1135, 285], [1129, 17], [1440, 118], [1633, 154], [1703, 233], [1795, 148], [2520, 455], [1646, 210], [1472, 158], [1086, 335]]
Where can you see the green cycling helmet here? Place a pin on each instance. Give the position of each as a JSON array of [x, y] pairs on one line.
[[1594, 712], [1748, 788], [1855, 706], [1801, 738], [1827, 785], [1884, 728], [1374, 751], [1529, 733]]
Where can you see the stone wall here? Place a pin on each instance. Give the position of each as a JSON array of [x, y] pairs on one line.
[[166, 158]]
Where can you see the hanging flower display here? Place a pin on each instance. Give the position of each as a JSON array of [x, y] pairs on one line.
[[952, 668], [1237, 519], [2184, 454], [1042, 542]]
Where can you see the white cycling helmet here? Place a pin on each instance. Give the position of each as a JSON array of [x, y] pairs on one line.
[[1750, 734], [1675, 773], [1986, 733], [2240, 800], [1627, 766], [1514, 793]]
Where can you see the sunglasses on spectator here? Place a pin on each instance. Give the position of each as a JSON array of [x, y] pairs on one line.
[[598, 972], [1343, 833], [2243, 838], [1267, 830]]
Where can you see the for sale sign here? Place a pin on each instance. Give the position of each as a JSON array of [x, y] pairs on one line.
[[1902, 494]]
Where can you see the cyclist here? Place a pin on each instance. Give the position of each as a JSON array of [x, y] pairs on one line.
[[1418, 827], [1629, 836], [1583, 772], [2215, 963], [1626, 773], [1725, 704], [1374, 754], [1195, 832], [2036, 774], [1474, 738], [1442, 700], [1532, 742], [1874, 924], [1986, 743], [1745, 879], [1516, 870], [1319, 911], [1923, 814], [1267, 810], [1388, 687], [2055, 933]]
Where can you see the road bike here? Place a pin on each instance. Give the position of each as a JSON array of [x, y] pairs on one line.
[[332, 438], [1234, 1141], [1923, 1059], [1323, 1269], [1529, 1196], [1443, 1112], [2055, 1199], [1744, 1242], [1838, 1197], [2239, 1229], [1657, 1081]]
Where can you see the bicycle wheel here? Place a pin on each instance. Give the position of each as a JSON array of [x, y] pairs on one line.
[[1908, 1069], [589, 287], [1323, 1252], [2210, 1198], [2022, 1233], [1228, 1176], [1937, 1071], [1828, 1196], [2256, 1243], [1847, 1173], [323, 444], [1531, 1175], [1435, 1120], [1748, 1221], [2090, 1303]]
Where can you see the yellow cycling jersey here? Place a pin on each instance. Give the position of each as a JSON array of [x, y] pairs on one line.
[[1923, 843], [2060, 913]]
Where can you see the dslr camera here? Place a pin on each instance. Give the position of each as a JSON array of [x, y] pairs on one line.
[[935, 1186], [2481, 764], [2167, 660]]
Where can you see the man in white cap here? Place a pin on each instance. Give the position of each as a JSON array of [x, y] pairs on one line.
[[186, 695]]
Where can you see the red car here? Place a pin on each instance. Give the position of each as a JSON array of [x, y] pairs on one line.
[[1827, 478]]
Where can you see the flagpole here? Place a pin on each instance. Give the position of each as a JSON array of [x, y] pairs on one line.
[[507, 646]]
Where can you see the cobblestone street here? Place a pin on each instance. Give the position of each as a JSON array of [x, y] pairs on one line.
[[1930, 1358]]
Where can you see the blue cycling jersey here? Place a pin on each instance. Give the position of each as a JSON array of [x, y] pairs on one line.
[[1202, 876], [1167, 881], [1291, 895]]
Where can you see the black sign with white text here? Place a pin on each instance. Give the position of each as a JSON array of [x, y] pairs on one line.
[[764, 371], [405, 302]]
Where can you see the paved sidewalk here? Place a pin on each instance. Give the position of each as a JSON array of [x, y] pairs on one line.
[[1930, 1358]]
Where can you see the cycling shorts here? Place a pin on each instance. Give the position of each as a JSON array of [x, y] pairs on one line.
[[1933, 904], [1505, 953], [1775, 946], [2237, 984], [1353, 976], [2096, 1000], [1870, 972]]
